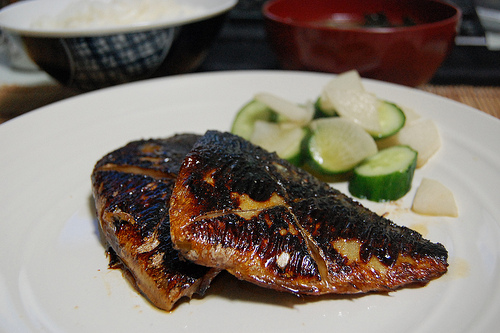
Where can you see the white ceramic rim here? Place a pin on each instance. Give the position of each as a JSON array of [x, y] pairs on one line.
[[17, 18]]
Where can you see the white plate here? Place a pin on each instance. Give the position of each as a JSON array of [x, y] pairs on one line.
[[54, 274]]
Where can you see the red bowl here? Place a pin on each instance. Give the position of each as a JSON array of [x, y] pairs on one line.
[[328, 36]]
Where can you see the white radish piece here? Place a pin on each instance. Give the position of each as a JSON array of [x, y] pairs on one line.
[[361, 107], [346, 95], [433, 198], [283, 138], [346, 81], [410, 114], [421, 134], [349, 80], [291, 111]]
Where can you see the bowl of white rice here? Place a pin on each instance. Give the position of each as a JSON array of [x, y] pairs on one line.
[[92, 44]]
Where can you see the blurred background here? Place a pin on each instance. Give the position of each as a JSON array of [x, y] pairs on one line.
[[474, 60], [470, 74]]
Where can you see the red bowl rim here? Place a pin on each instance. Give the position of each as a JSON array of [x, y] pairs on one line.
[[454, 19]]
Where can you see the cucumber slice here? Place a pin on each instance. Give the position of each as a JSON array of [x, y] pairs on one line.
[[244, 122], [385, 176], [391, 119], [285, 139], [336, 145]]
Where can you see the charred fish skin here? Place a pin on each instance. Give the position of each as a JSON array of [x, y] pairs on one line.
[[375, 255], [157, 157], [240, 208], [132, 188]]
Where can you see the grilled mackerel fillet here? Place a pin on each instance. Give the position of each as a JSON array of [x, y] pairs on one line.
[[132, 188], [239, 208]]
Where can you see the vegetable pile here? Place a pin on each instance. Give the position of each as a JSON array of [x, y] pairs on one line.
[[347, 132]]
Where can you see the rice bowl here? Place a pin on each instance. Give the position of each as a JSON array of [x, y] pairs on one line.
[[94, 44]]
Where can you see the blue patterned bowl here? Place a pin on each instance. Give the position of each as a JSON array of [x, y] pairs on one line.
[[96, 57]]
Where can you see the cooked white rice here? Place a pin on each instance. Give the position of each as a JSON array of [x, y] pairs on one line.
[[92, 13]]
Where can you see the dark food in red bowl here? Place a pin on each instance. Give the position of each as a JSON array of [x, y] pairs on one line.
[[400, 41]]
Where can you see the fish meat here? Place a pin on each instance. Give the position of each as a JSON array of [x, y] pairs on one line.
[[238, 208], [131, 188], [177, 211]]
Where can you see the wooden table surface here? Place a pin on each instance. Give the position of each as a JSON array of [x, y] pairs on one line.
[[17, 100], [486, 99]]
